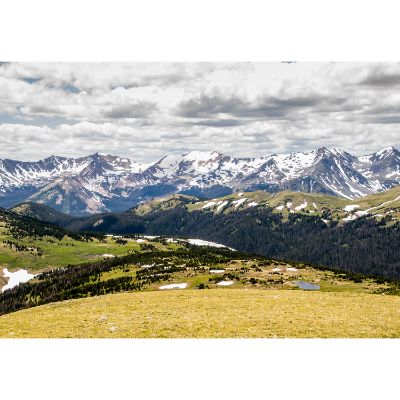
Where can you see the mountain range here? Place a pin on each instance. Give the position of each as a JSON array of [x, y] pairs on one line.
[[101, 182]]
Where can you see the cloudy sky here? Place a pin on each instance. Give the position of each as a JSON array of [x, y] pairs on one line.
[[147, 110]]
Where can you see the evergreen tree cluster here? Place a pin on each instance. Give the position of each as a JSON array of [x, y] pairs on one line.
[[21, 247]]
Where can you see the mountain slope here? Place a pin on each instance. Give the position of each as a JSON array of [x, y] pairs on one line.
[[42, 212], [101, 182], [76, 186]]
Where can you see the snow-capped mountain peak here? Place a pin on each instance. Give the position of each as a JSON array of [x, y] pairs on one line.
[[101, 182], [386, 152], [202, 156]]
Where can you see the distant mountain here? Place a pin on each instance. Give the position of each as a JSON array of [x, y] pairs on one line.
[[101, 182]]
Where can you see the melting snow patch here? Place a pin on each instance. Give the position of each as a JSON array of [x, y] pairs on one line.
[[99, 222], [222, 205], [289, 204], [148, 265], [200, 242], [253, 204], [276, 269], [315, 206], [301, 206], [174, 286], [140, 240], [108, 255], [225, 283], [361, 213], [280, 208], [351, 207], [237, 203], [15, 278], [240, 194], [216, 271], [209, 204], [291, 269], [350, 218]]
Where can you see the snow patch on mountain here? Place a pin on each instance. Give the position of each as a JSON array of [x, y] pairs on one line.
[[209, 204], [301, 206], [238, 203], [351, 207], [222, 205], [101, 182], [200, 242]]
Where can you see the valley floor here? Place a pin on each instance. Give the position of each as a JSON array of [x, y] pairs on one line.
[[212, 313]]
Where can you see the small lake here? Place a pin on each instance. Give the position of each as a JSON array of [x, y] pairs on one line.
[[307, 285]]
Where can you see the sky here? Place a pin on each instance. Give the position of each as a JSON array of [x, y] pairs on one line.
[[145, 111]]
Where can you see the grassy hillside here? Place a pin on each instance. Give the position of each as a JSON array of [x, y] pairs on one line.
[[211, 313], [224, 294], [42, 212], [281, 202], [385, 204], [31, 244], [48, 252], [163, 204], [161, 263]]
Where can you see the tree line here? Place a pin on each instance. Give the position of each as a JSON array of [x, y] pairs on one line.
[[75, 281]]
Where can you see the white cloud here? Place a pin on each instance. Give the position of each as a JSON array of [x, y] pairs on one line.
[[145, 110]]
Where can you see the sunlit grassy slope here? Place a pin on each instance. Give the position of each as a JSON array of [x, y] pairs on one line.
[[57, 253], [215, 313], [285, 202]]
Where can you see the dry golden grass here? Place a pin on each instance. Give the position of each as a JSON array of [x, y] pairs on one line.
[[214, 313]]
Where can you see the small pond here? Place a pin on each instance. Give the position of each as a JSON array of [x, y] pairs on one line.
[[307, 285]]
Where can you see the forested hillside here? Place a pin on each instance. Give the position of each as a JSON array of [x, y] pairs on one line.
[[364, 245], [313, 228]]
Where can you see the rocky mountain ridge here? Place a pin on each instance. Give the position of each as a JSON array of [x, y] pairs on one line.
[[102, 182]]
